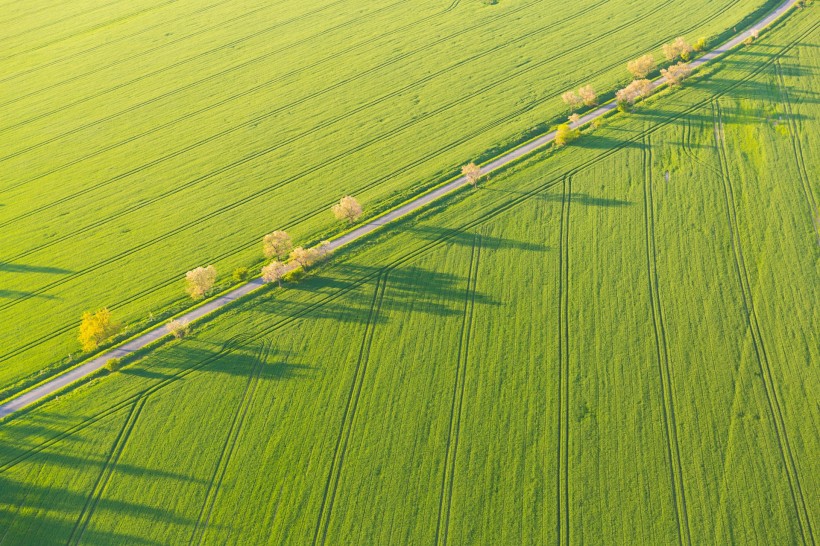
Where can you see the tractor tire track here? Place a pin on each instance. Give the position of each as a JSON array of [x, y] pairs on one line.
[[215, 484], [797, 149], [218, 74], [143, 30], [575, 15], [103, 479], [662, 355], [168, 67], [761, 354], [185, 87], [452, 6], [562, 491], [89, 30], [456, 409], [349, 416], [286, 107]]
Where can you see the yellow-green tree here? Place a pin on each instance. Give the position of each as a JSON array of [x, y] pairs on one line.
[[96, 328]]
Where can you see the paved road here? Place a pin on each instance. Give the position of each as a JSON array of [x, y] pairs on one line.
[[54, 385]]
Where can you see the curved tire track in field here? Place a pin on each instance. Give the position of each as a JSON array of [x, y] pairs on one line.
[[761, 354], [456, 409], [562, 496], [47, 389], [349, 416], [107, 470], [662, 354], [797, 149], [215, 484]]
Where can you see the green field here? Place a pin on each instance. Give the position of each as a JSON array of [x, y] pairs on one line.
[[616, 343], [141, 139]]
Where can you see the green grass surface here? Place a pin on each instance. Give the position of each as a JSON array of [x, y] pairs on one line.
[[139, 140], [613, 344]]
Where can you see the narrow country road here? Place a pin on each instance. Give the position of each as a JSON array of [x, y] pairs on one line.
[[52, 386]]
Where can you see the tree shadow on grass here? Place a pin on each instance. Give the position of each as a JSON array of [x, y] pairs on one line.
[[575, 197], [597, 141], [24, 268], [468, 238], [210, 357], [424, 290], [17, 294]]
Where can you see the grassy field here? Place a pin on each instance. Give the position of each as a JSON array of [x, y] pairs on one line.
[[614, 343], [141, 139]]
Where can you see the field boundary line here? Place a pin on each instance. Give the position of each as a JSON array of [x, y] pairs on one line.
[[761, 354], [225, 455], [55, 384], [349, 416], [457, 406], [662, 353]]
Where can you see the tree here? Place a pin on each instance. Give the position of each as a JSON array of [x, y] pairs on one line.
[[574, 118], [641, 66], [276, 244], [471, 172], [113, 364], [347, 209], [676, 73], [677, 48], [199, 281], [307, 257], [179, 328], [240, 274], [274, 271], [700, 44], [632, 92], [588, 95], [564, 135], [96, 328], [572, 100]]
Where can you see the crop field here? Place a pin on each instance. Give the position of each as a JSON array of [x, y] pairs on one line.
[[141, 139], [616, 342]]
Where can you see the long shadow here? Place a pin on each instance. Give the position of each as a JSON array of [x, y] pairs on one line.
[[733, 116], [53, 508], [598, 141], [23, 268], [575, 197], [15, 294], [430, 292], [467, 238]]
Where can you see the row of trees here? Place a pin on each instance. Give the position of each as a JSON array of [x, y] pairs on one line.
[[644, 65], [99, 326], [586, 96]]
